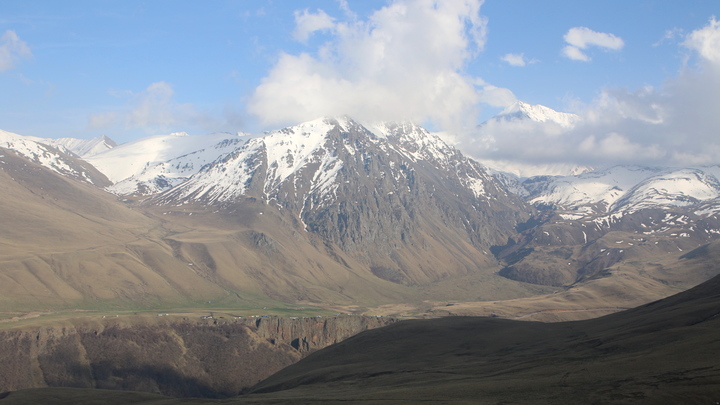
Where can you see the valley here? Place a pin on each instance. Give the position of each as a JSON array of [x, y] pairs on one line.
[[234, 256], [359, 202], [662, 352], [343, 217]]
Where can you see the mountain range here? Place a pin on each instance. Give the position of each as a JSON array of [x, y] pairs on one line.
[[335, 216], [337, 212]]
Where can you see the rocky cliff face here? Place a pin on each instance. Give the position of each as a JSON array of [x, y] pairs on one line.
[[184, 358], [307, 334]]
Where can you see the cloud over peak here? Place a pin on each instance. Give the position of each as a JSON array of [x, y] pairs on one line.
[[675, 124], [405, 61]]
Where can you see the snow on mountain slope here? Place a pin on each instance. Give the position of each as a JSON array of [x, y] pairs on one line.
[[676, 188], [625, 189], [602, 187], [83, 147], [282, 152], [165, 175], [417, 143], [538, 113], [308, 146], [132, 158], [55, 159], [290, 149], [357, 188], [6, 137]]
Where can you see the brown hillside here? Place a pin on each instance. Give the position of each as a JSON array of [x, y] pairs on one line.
[[65, 244], [661, 353]]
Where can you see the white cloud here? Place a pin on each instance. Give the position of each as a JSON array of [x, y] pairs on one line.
[[495, 96], [307, 23], [675, 124], [581, 38], [574, 53], [706, 41], [405, 61], [517, 59], [619, 147], [343, 4], [12, 49]]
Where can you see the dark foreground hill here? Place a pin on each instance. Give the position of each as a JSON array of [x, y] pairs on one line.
[[663, 352]]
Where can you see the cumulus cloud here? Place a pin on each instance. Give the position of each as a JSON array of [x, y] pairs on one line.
[[517, 59], [706, 41], [12, 49], [582, 38], [405, 61], [676, 124], [574, 53]]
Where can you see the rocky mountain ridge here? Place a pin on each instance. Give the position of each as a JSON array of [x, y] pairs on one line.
[[355, 188], [592, 221], [400, 203]]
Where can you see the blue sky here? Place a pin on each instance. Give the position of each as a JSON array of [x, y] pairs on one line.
[[135, 68]]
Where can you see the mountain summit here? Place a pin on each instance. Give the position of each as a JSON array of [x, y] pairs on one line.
[[387, 196], [538, 113]]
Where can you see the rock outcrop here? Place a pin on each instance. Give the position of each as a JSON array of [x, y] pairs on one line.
[[212, 357], [307, 334]]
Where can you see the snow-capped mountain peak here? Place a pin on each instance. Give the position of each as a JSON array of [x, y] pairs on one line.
[[625, 189], [417, 143], [334, 175], [538, 113], [292, 148], [323, 147]]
